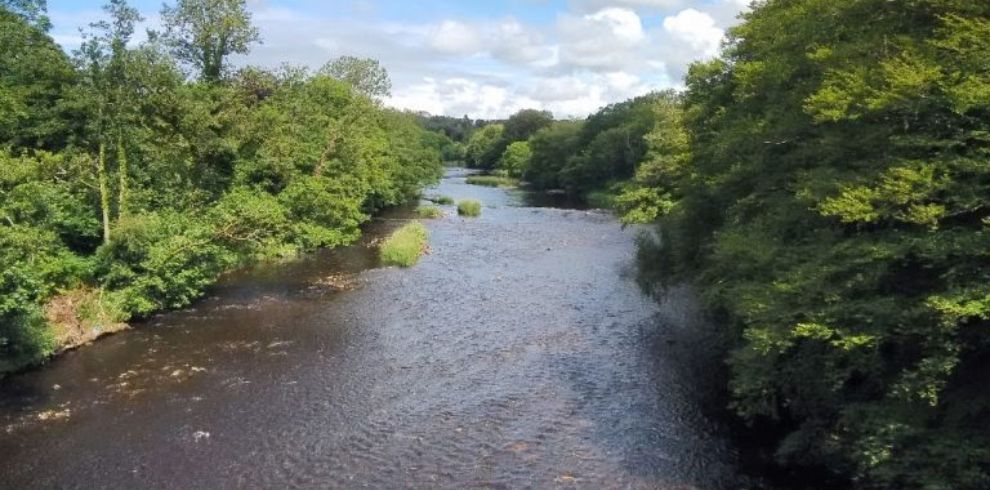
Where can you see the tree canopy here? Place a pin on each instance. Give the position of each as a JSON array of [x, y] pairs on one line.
[[367, 76], [203, 33]]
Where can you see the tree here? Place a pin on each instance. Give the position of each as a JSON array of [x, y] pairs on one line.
[[550, 148], [831, 203], [366, 75], [34, 76], [484, 148], [202, 33], [105, 55], [515, 160], [521, 125]]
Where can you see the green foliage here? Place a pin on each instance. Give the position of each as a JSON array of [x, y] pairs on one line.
[[459, 130], [492, 181], [35, 265], [826, 187], [469, 208], [515, 160], [404, 247], [34, 74], [429, 212], [33, 11], [203, 33], [523, 124], [189, 179], [654, 190], [550, 147], [606, 198], [484, 148], [367, 76]]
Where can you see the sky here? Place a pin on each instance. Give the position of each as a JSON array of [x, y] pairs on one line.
[[484, 59]]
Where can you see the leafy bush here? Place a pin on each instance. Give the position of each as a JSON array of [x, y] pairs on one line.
[[35, 266], [469, 207], [404, 247]]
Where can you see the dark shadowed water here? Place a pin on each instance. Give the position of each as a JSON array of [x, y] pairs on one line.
[[518, 353]]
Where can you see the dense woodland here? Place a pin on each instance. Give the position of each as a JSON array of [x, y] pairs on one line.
[[134, 175], [824, 185]]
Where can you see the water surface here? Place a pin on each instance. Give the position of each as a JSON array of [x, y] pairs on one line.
[[518, 353]]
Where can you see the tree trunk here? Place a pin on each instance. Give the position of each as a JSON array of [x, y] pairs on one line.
[[101, 168], [123, 173]]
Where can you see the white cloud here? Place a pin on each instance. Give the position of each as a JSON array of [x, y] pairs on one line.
[[592, 53], [695, 30], [452, 37], [602, 40]]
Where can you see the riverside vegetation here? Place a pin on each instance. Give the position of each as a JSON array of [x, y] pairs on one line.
[[404, 246], [469, 208], [825, 185], [127, 186]]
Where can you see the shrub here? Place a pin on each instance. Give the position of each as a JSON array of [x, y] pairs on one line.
[[404, 247], [429, 212], [469, 207]]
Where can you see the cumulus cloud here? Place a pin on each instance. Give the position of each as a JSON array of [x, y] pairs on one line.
[[602, 40], [506, 40], [696, 31], [587, 54]]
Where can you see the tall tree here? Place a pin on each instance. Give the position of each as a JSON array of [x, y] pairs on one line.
[[203, 33], [366, 75], [104, 55]]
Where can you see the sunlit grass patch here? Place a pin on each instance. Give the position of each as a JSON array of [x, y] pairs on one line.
[[429, 212], [492, 181], [404, 247], [469, 207]]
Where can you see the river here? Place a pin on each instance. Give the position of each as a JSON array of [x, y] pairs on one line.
[[518, 353]]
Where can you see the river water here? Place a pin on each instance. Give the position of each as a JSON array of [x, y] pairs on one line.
[[518, 353]]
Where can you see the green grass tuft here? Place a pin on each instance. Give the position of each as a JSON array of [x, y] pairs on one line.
[[429, 212], [469, 207], [404, 247], [492, 181], [441, 200]]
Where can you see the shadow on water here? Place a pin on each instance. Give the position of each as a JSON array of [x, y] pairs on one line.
[[698, 343]]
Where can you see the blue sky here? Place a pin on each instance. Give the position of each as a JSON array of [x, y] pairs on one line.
[[481, 58]]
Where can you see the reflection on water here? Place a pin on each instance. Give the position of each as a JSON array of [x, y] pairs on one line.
[[518, 353]]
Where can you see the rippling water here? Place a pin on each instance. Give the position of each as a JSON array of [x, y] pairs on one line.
[[518, 353]]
